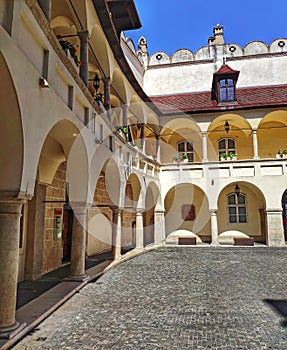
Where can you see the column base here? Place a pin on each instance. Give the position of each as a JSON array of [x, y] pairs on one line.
[[82, 278], [12, 331], [214, 244]]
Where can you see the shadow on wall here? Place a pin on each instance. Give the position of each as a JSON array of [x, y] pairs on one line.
[[281, 307]]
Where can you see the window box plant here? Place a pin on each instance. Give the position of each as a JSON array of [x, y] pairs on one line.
[[281, 154], [181, 157], [69, 48], [228, 156]]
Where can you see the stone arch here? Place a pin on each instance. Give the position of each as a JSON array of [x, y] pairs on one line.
[[159, 58], [255, 48], [104, 56], [173, 132], [187, 208], [271, 133], [278, 45], [202, 54], [152, 198], [239, 129], [106, 199], [182, 55], [11, 140], [256, 225]]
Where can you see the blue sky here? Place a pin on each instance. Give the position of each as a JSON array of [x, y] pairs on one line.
[[169, 25]]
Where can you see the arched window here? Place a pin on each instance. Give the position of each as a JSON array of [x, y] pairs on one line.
[[226, 145], [237, 211], [186, 147]]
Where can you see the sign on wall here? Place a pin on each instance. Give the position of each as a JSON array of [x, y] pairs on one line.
[[188, 212], [58, 223]]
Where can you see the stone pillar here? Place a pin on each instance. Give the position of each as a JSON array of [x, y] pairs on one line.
[[255, 144], [84, 49], [78, 250], [157, 148], [275, 229], [204, 147], [143, 138], [214, 227], [125, 115], [35, 237], [117, 232], [46, 8], [107, 95], [159, 226], [10, 214], [139, 230]]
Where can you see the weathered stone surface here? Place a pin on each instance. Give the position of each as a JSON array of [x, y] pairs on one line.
[[177, 298]]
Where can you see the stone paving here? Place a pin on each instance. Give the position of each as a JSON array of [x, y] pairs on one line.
[[177, 298]]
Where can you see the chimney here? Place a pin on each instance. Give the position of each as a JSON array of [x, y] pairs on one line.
[[218, 34]]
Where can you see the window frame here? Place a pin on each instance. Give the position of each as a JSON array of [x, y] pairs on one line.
[[228, 88], [226, 149], [237, 206], [189, 153]]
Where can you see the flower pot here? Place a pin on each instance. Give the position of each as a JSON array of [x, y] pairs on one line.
[[279, 156]]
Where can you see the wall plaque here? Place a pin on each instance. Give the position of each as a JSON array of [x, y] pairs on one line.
[[188, 212]]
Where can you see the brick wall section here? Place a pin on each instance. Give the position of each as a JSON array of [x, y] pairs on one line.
[[53, 250]]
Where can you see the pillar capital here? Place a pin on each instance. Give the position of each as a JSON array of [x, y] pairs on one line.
[[84, 35]]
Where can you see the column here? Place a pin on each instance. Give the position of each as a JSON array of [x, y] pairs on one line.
[[107, 95], [204, 147], [117, 232], [78, 249], [214, 227], [159, 226], [139, 230], [143, 138], [255, 144], [275, 229], [84, 49], [125, 115], [46, 8], [10, 214], [157, 148]]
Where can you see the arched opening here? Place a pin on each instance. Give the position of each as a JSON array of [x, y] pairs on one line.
[[187, 209], [101, 214], [132, 193], [50, 218], [151, 200], [241, 211]]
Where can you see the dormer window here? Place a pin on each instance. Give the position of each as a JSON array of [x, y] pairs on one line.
[[226, 91], [224, 85]]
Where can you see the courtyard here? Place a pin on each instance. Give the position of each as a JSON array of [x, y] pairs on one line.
[[177, 298]]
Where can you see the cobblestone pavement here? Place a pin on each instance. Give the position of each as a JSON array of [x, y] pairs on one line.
[[177, 298]]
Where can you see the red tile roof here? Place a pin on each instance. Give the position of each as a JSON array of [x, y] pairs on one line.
[[249, 97], [225, 69]]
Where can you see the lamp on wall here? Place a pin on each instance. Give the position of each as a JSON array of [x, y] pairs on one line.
[[96, 82], [226, 126], [237, 190]]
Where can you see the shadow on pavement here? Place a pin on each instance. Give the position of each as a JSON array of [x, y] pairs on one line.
[[281, 307]]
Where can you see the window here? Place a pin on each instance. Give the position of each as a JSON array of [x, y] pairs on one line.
[[226, 90], [237, 212], [186, 147], [226, 145]]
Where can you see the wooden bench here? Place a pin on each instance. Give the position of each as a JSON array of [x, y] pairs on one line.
[[243, 241], [186, 241]]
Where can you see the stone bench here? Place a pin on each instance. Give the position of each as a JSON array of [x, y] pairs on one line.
[[186, 241], [242, 241]]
